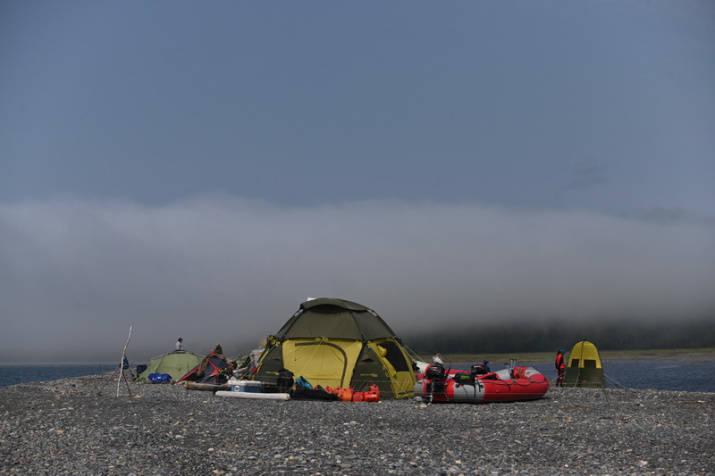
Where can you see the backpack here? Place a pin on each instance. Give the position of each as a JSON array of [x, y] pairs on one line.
[[464, 378], [285, 380]]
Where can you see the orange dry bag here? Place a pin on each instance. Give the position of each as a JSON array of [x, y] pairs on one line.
[[345, 394]]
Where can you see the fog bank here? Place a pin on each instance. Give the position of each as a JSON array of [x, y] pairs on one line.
[[75, 275]]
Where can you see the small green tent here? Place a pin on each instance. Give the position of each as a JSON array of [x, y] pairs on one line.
[[338, 343], [584, 368], [177, 364]]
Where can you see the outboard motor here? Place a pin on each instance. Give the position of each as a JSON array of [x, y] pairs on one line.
[[435, 375], [478, 370], [435, 371]]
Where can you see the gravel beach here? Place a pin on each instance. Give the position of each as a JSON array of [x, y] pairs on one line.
[[68, 427]]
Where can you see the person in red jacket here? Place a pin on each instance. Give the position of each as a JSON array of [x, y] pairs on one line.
[[560, 368]]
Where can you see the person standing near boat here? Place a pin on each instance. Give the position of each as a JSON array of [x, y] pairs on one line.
[[560, 368]]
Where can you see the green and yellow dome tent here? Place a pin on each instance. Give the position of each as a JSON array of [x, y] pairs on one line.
[[176, 364], [338, 343]]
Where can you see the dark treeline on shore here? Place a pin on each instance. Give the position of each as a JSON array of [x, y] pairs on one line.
[[547, 337]]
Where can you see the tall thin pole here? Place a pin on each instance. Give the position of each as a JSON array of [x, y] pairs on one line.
[[121, 362]]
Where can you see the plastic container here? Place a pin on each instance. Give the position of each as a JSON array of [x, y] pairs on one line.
[[250, 386], [373, 395]]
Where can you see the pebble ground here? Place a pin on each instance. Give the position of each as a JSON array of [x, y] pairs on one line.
[[81, 426]]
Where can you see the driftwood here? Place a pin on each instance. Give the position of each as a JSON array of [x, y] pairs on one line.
[[121, 362], [120, 369]]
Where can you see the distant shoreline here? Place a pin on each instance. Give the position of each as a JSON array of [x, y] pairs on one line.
[[706, 353]]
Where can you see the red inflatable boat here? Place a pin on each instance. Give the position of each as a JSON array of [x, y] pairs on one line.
[[508, 385]]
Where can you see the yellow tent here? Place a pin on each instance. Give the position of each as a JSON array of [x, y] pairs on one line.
[[339, 344], [584, 368]]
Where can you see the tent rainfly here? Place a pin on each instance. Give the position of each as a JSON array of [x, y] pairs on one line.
[[339, 344]]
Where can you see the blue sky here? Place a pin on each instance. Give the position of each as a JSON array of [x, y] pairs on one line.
[[168, 164]]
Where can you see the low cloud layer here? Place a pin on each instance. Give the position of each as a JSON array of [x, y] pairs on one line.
[[75, 275]]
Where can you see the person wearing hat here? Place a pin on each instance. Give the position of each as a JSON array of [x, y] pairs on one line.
[[560, 368]]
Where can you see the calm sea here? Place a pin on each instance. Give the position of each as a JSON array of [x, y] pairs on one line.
[[686, 374], [13, 374], [675, 373]]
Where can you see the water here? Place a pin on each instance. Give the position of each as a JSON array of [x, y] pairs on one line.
[[690, 374], [13, 374], [677, 373]]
